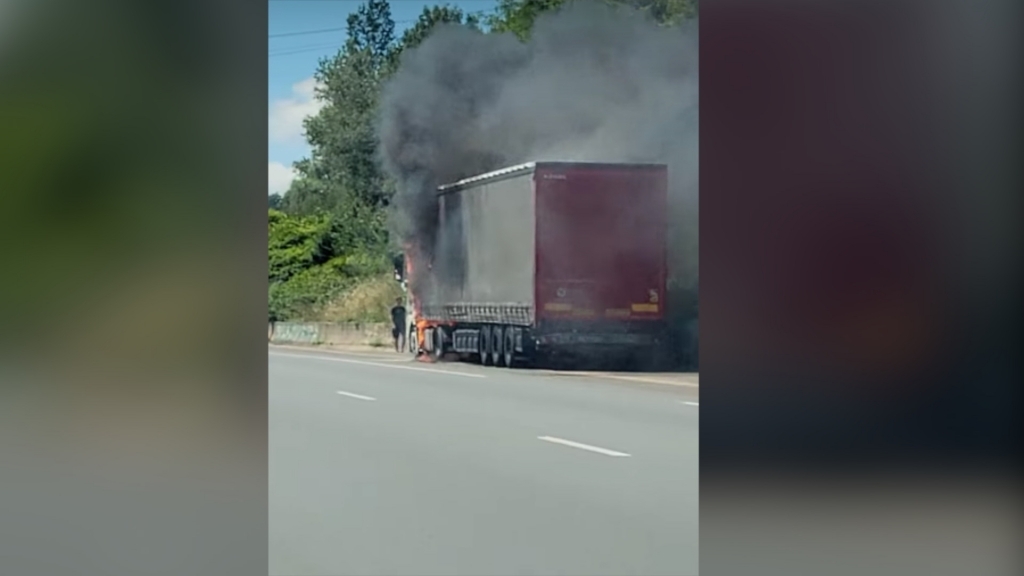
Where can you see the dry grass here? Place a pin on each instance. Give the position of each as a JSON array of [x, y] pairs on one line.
[[368, 301]]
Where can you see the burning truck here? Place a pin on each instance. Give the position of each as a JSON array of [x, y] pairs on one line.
[[540, 261]]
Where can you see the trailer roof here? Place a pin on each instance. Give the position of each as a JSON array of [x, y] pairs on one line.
[[528, 167], [518, 168]]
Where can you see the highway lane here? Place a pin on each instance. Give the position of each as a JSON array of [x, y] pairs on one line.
[[384, 466]]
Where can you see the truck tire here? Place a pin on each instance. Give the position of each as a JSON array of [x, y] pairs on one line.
[[439, 338], [497, 346], [485, 345], [509, 347]]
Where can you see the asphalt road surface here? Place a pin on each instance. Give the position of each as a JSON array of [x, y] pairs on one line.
[[384, 466]]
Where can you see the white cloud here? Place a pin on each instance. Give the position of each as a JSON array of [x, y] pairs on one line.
[[279, 178], [287, 114]]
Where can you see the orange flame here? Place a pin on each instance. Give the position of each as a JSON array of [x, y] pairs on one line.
[[410, 272], [422, 324]]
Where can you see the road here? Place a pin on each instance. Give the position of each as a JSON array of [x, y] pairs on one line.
[[384, 466]]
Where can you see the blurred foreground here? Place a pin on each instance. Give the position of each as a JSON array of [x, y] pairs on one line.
[[132, 382]]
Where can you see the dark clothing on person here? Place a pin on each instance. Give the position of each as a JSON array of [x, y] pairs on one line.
[[398, 328], [398, 317]]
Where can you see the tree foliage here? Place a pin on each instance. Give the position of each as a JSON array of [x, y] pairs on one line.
[[431, 17], [312, 258], [371, 31], [518, 16], [342, 135]]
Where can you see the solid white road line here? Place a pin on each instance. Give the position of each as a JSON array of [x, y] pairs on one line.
[[690, 403], [644, 379], [358, 396], [587, 447], [380, 364]]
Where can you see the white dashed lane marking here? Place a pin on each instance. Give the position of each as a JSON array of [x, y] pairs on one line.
[[581, 446]]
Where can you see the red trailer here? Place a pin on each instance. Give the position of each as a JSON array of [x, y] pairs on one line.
[[547, 259]]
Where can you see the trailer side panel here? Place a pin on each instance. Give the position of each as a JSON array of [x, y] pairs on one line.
[[488, 229]]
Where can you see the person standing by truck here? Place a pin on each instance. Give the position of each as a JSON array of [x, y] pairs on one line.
[[398, 324]]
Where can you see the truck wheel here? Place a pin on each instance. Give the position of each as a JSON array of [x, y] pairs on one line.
[[438, 342], [510, 347], [497, 346], [485, 345]]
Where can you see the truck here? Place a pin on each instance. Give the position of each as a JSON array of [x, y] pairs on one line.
[[544, 261]]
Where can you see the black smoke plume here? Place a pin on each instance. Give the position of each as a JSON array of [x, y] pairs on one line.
[[594, 83]]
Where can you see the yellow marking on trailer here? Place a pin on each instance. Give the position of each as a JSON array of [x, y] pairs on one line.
[[558, 307], [645, 307], [583, 313]]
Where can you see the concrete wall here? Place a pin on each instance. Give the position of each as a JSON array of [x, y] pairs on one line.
[[352, 334]]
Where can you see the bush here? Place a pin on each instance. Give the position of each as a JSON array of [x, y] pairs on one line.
[[367, 300], [314, 259]]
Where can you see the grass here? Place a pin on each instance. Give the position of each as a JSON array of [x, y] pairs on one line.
[[369, 300]]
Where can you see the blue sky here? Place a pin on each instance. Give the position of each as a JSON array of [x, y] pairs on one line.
[[293, 53]]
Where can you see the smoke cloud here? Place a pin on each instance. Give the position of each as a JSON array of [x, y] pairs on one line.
[[594, 83]]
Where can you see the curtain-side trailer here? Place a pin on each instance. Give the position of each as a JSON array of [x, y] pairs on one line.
[[547, 259]]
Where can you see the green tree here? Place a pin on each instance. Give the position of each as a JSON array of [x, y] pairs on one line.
[[372, 30], [342, 134], [298, 243], [274, 201], [313, 258], [344, 166], [311, 190], [430, 18], [518, 16], [331, 227]]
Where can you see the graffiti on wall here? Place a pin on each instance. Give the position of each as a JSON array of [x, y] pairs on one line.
[[305, 333]]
